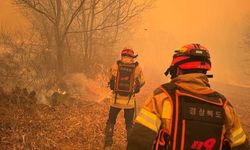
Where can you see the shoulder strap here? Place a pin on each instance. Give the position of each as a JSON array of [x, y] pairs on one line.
[[170, 88], [120, 62], [222, 97]]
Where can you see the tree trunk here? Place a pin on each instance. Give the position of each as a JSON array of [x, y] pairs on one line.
[[59, 41], [60, 63], [91, 53]]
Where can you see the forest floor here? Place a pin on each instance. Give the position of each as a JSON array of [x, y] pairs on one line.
[[81, 124]]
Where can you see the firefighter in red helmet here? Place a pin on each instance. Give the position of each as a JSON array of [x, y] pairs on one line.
[[186, 114], [126, 79]]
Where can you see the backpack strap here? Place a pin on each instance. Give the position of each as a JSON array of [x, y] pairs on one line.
[[170, 88]]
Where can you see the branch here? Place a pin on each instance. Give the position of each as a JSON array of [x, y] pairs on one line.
[[126, 15], [53, 7], [72, 18], [33, 6], [107, 6]]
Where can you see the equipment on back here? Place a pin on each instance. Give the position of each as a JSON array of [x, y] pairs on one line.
[[124, 83], [198, 119], [190, 58]]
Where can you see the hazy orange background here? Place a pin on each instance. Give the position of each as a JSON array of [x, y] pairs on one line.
[[217, 24]]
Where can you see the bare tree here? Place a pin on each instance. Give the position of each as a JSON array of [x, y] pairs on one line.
[[80, 33], [59, 14], [101, 24]]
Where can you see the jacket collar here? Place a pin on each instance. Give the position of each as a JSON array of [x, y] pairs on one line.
[[195, 82]]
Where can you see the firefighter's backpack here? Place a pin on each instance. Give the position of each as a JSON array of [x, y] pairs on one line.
[[124, 83], [198, 119]]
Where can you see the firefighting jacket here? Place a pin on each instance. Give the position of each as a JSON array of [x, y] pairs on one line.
[[121, 101], [156, 117]]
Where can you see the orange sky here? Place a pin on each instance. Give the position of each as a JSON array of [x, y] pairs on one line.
[[217, 24]]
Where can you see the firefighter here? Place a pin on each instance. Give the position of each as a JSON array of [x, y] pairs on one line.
[[186, 114], [126, 80]]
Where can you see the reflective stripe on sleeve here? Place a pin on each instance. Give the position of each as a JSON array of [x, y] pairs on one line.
[[149, 120], [238, 137], [167, 110]]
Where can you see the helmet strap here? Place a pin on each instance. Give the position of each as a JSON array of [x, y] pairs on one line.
[[172, 70], [210, 76]]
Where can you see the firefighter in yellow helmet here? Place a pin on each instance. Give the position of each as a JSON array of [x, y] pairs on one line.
[[126, 80], [186, 114]]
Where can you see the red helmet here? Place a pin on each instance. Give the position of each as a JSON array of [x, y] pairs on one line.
[[191, 57], [128, 52]]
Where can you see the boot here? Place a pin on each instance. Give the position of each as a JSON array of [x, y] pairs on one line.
[[108, 141]]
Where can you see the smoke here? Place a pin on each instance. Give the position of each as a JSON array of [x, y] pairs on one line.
[[82, 87], [218, 25], [172, 24]]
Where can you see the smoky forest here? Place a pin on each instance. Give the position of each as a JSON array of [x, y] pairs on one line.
[[57, 56]]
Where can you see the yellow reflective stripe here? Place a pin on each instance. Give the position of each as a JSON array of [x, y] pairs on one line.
[[149, 120], [236, 132], [240, 140], [167, 110], [238, 137]]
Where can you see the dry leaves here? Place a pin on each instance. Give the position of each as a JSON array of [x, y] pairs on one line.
[[78, 126]]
